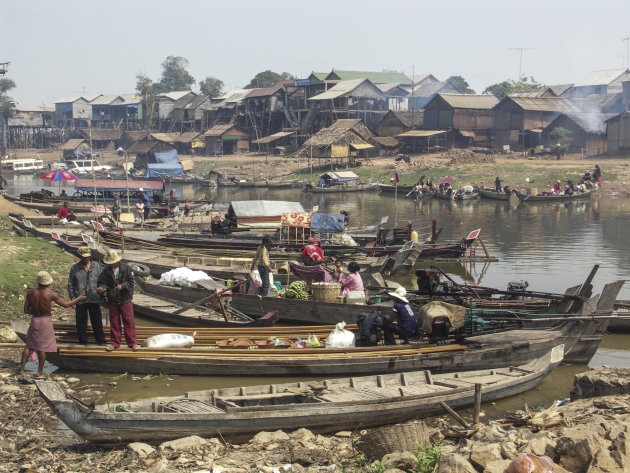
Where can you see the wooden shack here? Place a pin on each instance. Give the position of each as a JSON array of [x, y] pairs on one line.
[[344, 139], [395, 122], [588, 132], [226, 139], [618, 134]]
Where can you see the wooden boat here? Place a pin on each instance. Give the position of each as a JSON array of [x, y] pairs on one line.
[[264, 184], [342, 188], [580, 338], [554, 198], [389, 189], [165, 311], [465, 194], [324, 406], [448, 195], [488, 193]]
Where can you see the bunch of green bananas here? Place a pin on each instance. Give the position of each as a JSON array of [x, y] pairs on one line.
[[297, 290]]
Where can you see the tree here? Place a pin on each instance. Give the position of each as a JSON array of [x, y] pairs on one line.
[[267, 79], [561, 140], [148, 90], [460, 84], [174, 74], [507, 87], [211, 86], [6, 110]]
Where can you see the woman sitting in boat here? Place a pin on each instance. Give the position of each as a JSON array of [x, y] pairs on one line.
[[556, 188], [569, 188], [312, 254], [351, 281], [407, 325]]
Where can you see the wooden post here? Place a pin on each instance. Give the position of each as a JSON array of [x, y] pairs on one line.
[[455, 415], [485, 250], [223, 311], [477, 410]]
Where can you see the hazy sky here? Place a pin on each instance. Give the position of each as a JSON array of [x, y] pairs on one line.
[[67, 48]]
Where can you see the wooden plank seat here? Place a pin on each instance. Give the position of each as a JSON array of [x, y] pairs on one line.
[[190, 406]]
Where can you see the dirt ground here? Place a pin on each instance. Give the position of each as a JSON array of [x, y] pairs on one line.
[[513, 169]]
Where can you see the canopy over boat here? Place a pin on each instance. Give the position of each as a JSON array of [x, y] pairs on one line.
[[261, 213]]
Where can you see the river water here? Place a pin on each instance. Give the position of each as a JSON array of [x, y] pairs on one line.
[[552, 246]]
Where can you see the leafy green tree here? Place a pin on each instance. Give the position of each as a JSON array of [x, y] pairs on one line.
[[211, 86], [148, 91], [507, 87], [460, 84], [6, 109], [174, 74], [267, 79], [561, 140]]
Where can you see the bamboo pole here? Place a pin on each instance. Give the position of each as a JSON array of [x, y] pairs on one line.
[[477, 410], [455, 415]]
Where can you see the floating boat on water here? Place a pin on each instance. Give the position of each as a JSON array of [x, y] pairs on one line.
[[554, 198], [364, 187], [323, 406], [467, 193], [390, 189], [488, 193]]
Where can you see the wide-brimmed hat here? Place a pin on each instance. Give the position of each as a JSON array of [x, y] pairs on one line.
[[44, 279], [84, 251], [399, 293], [112, 257], [141, 189]]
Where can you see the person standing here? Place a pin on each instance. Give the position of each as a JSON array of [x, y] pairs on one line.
[[497, 185], [83, 279], [147, 203], [264, 264], [187, 208], [40, 336], [116, 208], [597, 175], [407, 325], [116, 284]]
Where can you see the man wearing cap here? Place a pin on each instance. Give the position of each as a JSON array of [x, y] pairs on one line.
[[312, 254], [83, 279], [147, 203], [116, 284], [407, 325], [40, 337]]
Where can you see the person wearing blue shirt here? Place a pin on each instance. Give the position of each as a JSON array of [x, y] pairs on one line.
[[147, 203], [407, 325]]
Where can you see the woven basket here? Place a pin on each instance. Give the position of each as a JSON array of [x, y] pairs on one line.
[[378, 443], [326, 292]]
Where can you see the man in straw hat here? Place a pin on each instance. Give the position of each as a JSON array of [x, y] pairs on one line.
[[40, 337], [116, 284], [407, 325], [83, 279]]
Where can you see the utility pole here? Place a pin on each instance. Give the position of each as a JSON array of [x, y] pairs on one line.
[[520, 60], [627, 41]]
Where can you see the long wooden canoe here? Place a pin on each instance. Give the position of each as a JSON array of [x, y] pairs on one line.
[[554, 198], [323, 406], [342, 188]]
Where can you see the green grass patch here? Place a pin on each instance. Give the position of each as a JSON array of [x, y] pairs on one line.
[[21, 259]]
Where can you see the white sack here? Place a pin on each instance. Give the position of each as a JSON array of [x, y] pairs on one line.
[[340, 338], [182, 277], [170, 340]]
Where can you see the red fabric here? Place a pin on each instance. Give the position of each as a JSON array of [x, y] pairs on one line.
[[313, 252], [63, 213], [41, 335], [396, 178], [124, 311]]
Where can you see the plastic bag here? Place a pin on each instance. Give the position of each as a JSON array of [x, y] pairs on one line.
[[8, 335], [340, 338], [185, 277], [170, 340], [313, 341], [530, 463]]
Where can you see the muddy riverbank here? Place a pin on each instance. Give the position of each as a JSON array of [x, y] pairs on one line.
[[584, 436]]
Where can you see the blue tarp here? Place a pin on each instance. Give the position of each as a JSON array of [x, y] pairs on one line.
[[164, 169], [327, 223], [167, 156], [82, 153]]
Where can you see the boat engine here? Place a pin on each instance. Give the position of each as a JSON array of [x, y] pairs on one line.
[[218, 227], [429, 282], [440, 327]]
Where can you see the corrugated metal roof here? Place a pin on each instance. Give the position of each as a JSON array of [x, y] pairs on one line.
[[171, 138], [484, 101], [130, 99], [374, 77], [600, 77], [320, 75], [266, 91], [33, 107], [69, 99], [218, 130], [345, 175], [545, 104], [560, 89], [176, 95], [432, 88], [92, 97], [385, 88], [420, 133], [274, 137], [264, 208], [105, 100], [344, 88], [234, 95]]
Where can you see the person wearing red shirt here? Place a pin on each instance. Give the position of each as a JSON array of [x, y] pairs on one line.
[[312, 254], [64, 212]]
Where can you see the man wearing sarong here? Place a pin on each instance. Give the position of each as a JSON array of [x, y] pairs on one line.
[[40, 337], [116, 284]]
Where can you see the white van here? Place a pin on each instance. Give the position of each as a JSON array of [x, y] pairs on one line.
[[84, 166], [22, 165]]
